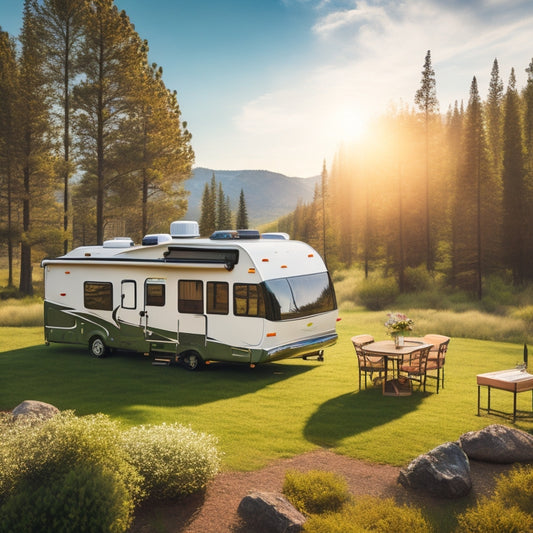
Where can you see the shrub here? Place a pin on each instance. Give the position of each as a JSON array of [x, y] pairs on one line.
[[59, 453], [378, 293], [516, 488], [494, 516], [174, 460], [370, 514], [88, 498], [417, 279], [315, 491]]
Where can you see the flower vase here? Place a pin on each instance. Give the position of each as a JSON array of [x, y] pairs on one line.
[[399, 341]]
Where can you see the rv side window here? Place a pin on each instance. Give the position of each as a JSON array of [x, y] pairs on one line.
[[128, 294], [98, 295], [248, 300], [155, 293], [217, 298], [190, 296]]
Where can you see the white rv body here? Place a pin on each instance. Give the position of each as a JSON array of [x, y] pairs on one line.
[[236, 298]]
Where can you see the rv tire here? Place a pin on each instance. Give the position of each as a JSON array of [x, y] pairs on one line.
[[97, 348], [192, 361]]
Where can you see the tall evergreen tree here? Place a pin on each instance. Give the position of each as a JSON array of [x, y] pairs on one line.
[[469, 198], [9, 144], [494, 118], [242, 213], [33, 119], [514, 186], [208, 220], [109, 53], [528, 136], [426, 100], [60, 32]]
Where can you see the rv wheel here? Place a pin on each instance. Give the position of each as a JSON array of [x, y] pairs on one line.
[[193, 361], [97, 348]]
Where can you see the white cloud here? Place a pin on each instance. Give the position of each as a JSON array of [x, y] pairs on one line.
[[374, 56]]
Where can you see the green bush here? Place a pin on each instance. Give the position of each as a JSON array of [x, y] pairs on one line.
[[417, 279], [174, 460], [495, 517], [58, 453], [88, 498], [377, 293], [370, 514], [315, 491]]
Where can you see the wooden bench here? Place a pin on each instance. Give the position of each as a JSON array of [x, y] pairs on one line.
[[514, 380]]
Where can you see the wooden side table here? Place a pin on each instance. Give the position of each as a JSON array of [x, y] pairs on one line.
[[513, 380]]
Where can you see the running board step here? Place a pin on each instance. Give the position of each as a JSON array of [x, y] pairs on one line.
[[162, 361]]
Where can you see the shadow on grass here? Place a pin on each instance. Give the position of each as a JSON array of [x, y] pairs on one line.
[[356, 412], [69, 378]]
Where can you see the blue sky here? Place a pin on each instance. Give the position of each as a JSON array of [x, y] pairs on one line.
[[277, 84]]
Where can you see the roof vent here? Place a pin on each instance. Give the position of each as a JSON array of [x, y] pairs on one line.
[[150, 240], [184, 229], [119, 242]]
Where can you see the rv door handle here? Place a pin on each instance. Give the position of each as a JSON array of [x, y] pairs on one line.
[[142, 313]]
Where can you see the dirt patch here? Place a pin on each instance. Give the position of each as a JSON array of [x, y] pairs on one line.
[[215, 510]]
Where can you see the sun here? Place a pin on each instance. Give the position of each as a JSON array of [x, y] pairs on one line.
[[347, 125]]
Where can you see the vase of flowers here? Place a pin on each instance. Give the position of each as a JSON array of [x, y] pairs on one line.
[[399, 325]]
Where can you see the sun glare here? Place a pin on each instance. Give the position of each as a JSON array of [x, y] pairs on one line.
[[347, 125]]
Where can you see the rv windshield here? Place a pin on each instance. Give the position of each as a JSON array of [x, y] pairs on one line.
[[299, 296]]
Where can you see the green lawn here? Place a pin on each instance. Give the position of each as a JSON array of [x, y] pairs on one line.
[[271, 411]]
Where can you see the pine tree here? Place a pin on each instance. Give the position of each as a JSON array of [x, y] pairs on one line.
[[33, 119], [208, 208], [426, 100], [528, 135], [514, 186], [494, 117], [8, 145], [469, 199], [242, 213], [109, 53], [60, 32]]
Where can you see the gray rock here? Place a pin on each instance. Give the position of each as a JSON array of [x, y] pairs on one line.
[[267, 511], [443, 472], [34, 409], [498, 444]]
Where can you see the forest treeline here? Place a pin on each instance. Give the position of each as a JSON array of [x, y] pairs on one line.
[[449, 193], [91, 140]]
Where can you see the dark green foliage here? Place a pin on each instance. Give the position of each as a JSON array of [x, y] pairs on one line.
[[242, 213], [315, 491], [60, 454], [89, 498]]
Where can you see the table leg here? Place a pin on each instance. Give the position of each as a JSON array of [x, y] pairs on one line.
[[514, 406], [479, 398]]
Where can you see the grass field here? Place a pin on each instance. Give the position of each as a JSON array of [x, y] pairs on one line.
[[271, 411]]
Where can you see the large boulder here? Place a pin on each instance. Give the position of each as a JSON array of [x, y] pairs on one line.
[[270, 512], [498, 444], [443, 472], [34, 409]]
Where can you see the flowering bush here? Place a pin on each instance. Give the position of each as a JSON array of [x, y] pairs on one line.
[[399, 324]]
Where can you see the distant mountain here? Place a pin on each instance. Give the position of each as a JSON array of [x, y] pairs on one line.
[[268, 195]]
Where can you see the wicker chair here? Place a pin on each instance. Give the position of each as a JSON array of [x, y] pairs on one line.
[[368, 364], [437, 357], [416, 365]]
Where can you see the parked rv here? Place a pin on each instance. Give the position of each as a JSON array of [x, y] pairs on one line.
[[180, 298]]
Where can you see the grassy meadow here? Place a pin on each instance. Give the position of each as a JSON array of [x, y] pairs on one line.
[[271, 411]]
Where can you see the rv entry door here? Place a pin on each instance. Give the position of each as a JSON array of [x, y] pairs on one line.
[[192, 319], [160, 322]]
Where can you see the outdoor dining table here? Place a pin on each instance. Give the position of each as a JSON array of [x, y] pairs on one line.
[[394, 356]]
